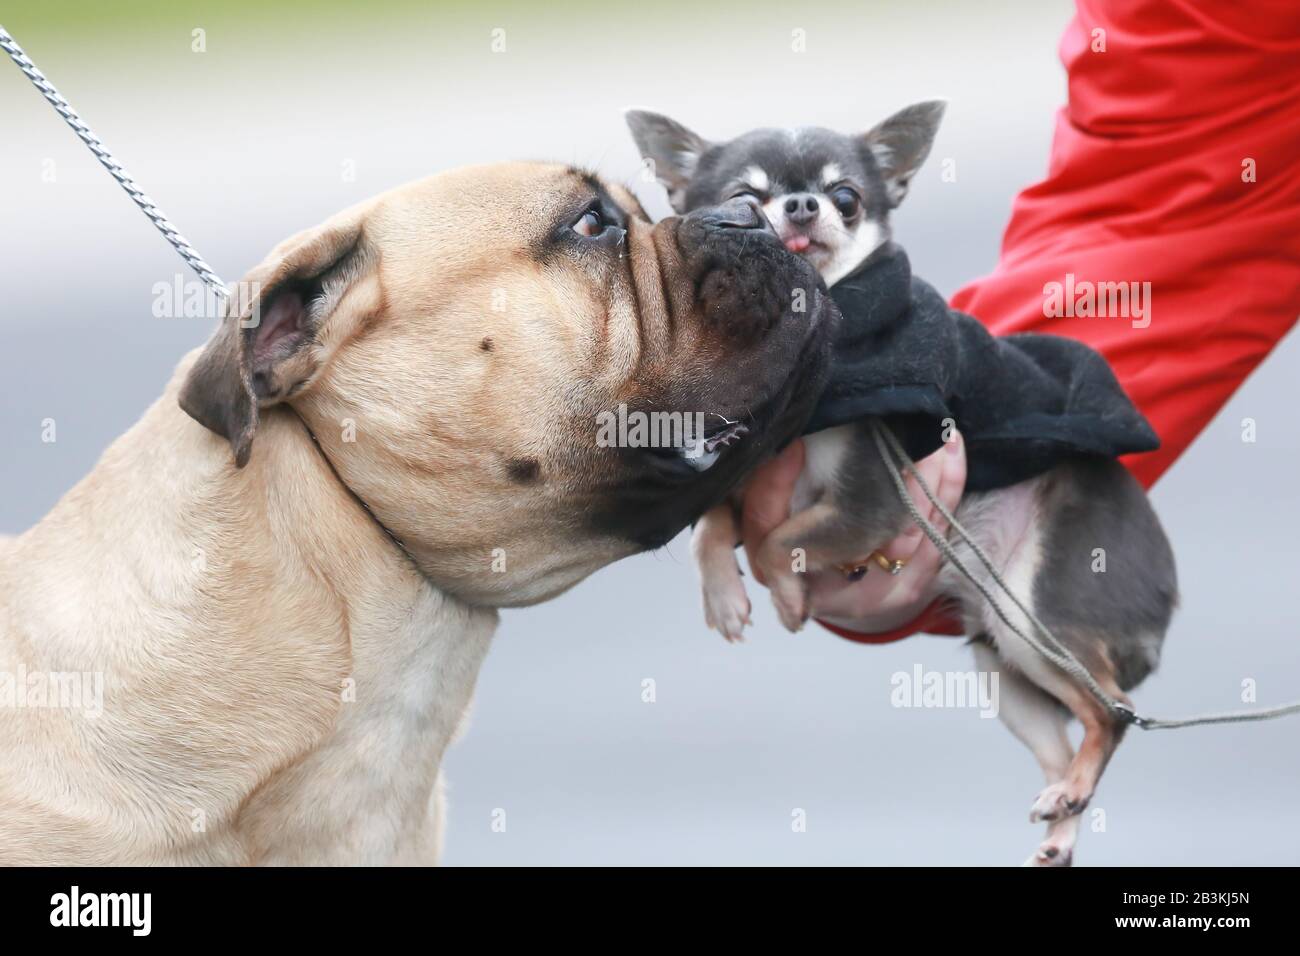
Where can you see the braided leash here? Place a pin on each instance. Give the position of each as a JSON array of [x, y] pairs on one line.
[[101, 152], [1045, 643]]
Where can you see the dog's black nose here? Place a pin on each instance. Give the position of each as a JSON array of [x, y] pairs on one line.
[[801, 209], [739, 213]]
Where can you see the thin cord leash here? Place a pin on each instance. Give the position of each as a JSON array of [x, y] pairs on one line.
[[101, 152], [1045, 643], [156, 216]]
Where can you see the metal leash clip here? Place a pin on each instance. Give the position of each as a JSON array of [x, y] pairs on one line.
[[1129, 715]]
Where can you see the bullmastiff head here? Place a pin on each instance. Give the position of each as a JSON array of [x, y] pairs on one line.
[[250, 633]]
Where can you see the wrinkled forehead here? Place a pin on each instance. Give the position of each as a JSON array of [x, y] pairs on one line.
[[775, 161], [519, 204], [552, 193]]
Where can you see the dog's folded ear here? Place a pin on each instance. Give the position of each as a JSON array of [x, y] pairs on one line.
[[283, 322], [673, 150], [901, 143]]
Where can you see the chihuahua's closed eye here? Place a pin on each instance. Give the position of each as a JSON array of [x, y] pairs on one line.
[[1043, 420]]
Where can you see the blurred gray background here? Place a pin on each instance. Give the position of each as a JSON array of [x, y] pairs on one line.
[[290, 115]]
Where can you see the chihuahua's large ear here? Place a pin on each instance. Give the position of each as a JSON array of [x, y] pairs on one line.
[[673, 150], [901, 143], [283, 322]]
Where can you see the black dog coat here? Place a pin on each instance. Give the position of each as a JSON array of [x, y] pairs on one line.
[[1023, 403]]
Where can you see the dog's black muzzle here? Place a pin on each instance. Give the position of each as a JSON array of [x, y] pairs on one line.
[[746, 282]]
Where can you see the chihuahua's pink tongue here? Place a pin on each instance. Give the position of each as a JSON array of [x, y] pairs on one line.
[[798, 243]]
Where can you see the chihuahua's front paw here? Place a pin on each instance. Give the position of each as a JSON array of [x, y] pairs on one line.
[[790, 595], [1057, 802], [726, 608]]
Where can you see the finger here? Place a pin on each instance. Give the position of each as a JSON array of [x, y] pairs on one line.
[[953, 480], [949, 479], [944, 473], [906, 544]]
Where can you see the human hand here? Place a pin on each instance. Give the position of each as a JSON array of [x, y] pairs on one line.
[[877, 602]]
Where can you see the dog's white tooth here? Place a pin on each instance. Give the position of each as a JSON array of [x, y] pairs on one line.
[[704, 462]]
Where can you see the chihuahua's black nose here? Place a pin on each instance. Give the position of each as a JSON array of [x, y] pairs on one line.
[[801, 209], [739, 213]]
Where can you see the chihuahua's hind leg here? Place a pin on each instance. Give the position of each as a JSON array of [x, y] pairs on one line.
[[1061, 801], [1102, 733], [713, 545], [1038, 721]]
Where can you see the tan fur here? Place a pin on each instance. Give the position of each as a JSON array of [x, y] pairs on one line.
[[280, 682]]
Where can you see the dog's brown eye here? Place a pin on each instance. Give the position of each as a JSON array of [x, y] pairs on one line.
[[590, 224], [846, 202]]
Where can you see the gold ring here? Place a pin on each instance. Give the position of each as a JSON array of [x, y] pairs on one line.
[[856, 570]]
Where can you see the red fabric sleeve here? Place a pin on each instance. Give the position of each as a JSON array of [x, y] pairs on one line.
[[939, 617], [1173, 164]]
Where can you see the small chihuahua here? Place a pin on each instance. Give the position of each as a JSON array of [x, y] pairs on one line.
[[1043, 419]]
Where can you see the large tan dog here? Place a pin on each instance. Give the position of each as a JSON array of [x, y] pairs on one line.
[[287, 609]]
